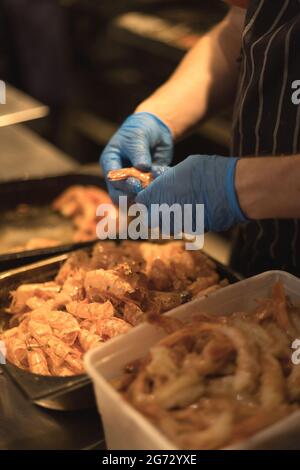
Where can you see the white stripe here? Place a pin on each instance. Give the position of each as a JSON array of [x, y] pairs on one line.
[[261, 100], [242, 81], [253, 68], [296, 133], [279, 112], [283, 88], [260, 226], [253, 19]]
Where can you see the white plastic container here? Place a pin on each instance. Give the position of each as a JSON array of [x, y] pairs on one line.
[[126, 428]]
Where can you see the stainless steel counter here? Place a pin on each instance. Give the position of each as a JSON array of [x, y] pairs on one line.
[[20, 108], [23, 154]]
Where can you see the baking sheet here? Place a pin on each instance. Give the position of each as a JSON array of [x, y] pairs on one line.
[[38, 219]]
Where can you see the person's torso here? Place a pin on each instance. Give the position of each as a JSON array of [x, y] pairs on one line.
[[267, 122]]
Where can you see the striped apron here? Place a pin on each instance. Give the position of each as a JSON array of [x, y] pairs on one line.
[[266, 122]]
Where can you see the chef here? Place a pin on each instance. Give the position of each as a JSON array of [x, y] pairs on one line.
[[252, 56]]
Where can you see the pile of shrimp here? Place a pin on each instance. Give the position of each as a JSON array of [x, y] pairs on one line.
[[217, 380], [80, 203], [97, 296]]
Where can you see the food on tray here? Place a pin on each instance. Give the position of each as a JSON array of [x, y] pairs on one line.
[[80, 204], [96, 297], [124, 173], [217, 380]]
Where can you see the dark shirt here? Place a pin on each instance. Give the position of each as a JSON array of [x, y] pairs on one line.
[[267, 122]]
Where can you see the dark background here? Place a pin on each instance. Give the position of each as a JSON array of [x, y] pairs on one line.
[[71, 55]]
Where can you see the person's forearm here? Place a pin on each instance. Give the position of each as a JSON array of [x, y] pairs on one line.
[[204, 81], [269, 187]]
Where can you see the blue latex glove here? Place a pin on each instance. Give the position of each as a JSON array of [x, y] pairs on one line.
[[207, 180], [142, 141]]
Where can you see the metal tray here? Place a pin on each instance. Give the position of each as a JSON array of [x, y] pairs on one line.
[[51, 392], [38, 193], [54, 392]]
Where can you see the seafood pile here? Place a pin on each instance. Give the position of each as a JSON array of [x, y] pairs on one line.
[[217, 380], [97, 296], [77, 203], [80, 203]]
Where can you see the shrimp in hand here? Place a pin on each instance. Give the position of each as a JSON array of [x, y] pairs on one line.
[[124, 173]]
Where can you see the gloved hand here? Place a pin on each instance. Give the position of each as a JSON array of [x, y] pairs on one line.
[[142, 141], [207, 180]]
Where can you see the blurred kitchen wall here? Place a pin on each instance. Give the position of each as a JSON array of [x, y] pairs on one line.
[[93, 61]]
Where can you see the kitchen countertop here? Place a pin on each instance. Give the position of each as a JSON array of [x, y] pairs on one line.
[[24, 154], [25, 426], [20, 108]]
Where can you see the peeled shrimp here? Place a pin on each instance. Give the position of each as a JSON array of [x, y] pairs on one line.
[[124, 173]]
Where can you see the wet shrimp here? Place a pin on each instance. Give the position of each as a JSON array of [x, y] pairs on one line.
[[112, 327], [37, 360], [124, 173], [91, 311], [88, 340]]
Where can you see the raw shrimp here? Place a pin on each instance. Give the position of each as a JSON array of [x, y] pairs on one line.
[[74, 361], [203, 282], [112, 327], [79, 260], [73, 287], [22, 294], [165, 301], [37, 360], [92, 311], [80, 203], [132, 313], [124, 173], [39, 330], [16, 351], [106, 283], [57, 351], [88, 340], [64, 326]]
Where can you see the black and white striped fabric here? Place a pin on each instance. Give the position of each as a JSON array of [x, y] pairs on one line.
[[266, 122]]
